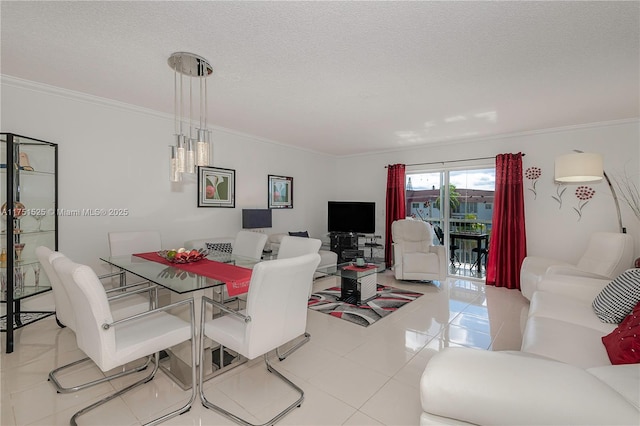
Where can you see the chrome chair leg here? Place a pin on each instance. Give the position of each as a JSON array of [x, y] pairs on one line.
[[61, 389], [207, 404], [97, 404], [194, 367], [121, 274], [156, 361], [122, 278], [305, 338]]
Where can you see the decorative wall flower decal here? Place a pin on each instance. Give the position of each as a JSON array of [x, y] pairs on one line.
[[533, 174], [584, 194], [559, 193]]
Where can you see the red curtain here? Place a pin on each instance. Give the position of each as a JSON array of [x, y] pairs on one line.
[[508, 236], [396, 208]]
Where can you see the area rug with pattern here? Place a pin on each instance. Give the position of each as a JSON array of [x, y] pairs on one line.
[[388, 300]]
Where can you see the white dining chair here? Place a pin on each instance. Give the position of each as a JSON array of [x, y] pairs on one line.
[[123, 243], [246, 244], [125, 301], [129, 242], [297, 246], [249, 244], [293, 247], [276, 313], [112, 343]]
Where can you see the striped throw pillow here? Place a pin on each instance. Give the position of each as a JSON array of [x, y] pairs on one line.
[[618, 298]]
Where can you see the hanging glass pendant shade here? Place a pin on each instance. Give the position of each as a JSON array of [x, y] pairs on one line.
[[190, 157], [202, 148], [192, 139], [175, 175]]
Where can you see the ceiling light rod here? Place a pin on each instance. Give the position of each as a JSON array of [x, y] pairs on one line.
[[585, 167], [191, 148]]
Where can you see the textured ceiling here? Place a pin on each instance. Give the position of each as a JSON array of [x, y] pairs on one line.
[[345, 77]]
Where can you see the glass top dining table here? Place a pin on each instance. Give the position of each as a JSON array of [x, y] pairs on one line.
[[182, 284], [173, 278], [181, 281]]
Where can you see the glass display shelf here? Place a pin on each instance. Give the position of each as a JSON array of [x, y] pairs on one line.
[[33, 232], [3, 170], [19, 263], [29, 196], [42, 231], [26, 291]]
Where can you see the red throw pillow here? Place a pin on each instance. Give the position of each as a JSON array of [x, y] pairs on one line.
[[623, 344]]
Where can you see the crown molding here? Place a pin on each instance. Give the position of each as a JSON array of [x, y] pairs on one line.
[[457, 141], [110, 103], [77, 96]]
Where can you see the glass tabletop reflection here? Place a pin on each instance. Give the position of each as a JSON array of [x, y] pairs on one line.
[[173, 278], [350, 269]]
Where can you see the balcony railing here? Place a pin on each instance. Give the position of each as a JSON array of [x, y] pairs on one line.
[[468, 251]]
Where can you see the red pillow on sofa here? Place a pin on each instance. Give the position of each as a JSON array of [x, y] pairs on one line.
[[623, 343]]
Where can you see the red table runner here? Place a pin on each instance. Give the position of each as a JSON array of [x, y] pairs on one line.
[[235, 277]]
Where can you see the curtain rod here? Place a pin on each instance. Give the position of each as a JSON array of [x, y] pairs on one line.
[[451, 161]]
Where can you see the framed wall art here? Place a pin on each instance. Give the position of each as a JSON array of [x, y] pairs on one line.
[[280, 192], [216, 187]]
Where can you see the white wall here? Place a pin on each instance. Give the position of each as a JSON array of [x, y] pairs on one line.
[[550, 231], [116, 156]]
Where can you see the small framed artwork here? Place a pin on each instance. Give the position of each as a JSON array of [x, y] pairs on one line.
[[280, 192], [216, 187]]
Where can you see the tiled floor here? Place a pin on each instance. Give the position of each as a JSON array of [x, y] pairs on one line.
[[351, 375], [467, 270]]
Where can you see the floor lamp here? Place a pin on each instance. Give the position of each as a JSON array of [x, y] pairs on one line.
[[582, 167]]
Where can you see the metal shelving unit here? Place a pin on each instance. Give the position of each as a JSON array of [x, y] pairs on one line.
[[29, 185]]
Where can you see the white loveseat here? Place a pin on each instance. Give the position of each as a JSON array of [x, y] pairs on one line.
[[561, 376], [606, 256], [327, 258]]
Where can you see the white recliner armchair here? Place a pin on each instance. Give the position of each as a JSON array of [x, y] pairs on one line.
[[415, 256], [607, 255]]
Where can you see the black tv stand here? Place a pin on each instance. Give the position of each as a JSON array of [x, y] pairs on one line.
[[345, 245]]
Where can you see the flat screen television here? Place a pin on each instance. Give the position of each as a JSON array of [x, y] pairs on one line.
[[352, 216]]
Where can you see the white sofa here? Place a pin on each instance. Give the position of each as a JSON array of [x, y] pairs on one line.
[[561, 376], [327, 258], [606, 256]]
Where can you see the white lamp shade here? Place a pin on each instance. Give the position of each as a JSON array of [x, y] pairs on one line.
[[579, 167]]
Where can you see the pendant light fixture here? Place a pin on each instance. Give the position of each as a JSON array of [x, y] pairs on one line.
[[192, 140]]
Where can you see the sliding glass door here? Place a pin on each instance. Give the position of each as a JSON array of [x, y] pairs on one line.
[[459, 205]]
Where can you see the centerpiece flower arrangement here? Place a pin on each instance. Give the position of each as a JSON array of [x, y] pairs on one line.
[[183, 255]]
